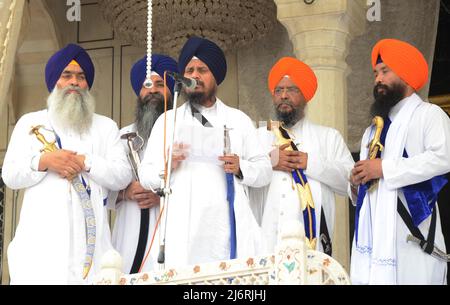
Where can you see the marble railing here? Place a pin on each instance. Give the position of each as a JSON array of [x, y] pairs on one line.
[[292, 263]]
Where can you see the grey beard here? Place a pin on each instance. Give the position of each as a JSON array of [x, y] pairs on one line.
[[73, 111], [147, 112], [291, 118]]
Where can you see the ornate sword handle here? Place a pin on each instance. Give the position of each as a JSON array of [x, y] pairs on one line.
[[48, 146], [375, 145]]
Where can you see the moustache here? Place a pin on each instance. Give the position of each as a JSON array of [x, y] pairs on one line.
[[152, 97], [285, 102], [78, 90], [377, 88]]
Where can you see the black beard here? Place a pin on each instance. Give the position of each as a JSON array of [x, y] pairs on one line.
[[290, 118], [147, 112], [385, 101], [200, 98]]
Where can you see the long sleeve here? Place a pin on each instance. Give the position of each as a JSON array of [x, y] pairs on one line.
[[111, 170], [255, 163], [153, 162], [18, 172], [332, 167], [434, 159]]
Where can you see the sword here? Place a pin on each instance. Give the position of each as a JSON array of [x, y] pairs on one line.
[[86, 204], [135, 144], [230, 193], [437, 253]]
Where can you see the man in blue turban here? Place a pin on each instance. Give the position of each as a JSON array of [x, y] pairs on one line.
[[209, 217], [137, 208], [57, 216]]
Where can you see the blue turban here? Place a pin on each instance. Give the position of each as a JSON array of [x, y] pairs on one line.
[[160, 63], [59, 61], [208, 52]]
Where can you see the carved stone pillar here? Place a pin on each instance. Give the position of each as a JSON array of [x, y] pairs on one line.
[[11, 12], [321, 33]]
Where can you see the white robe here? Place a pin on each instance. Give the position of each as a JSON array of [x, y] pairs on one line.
[[428, 148], [49, 244], [328, 169], [125, 234], [198, 228]]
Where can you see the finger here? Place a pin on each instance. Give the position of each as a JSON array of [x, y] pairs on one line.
[[358, 170], [360, 163], [284, 146], [68, 151], [229, 158], [140, 197], [293, 153], [294, 159], [74, 167]]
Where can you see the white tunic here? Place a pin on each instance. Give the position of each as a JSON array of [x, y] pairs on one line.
[[49, 244], [198, 228], [126, 229], [428, 148], [328, 169]]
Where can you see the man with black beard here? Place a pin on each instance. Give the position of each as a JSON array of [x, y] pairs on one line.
[[395, 193], [209, 216], [314, 154], [137, 208], [63, 232]]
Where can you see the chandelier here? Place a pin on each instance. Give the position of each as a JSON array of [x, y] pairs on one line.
[[229, 23]]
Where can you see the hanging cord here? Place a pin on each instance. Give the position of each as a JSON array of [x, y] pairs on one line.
[[148, 82], [165, 175]]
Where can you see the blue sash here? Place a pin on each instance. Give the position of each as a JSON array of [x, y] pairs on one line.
[[420, 197]]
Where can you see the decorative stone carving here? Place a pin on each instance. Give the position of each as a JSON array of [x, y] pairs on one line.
[[230, 23]]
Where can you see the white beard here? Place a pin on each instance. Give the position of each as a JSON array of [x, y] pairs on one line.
[[71, 111]]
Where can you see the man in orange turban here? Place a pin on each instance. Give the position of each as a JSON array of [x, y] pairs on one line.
[[409, 171], [317, 156]]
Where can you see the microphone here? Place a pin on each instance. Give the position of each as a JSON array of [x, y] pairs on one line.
[[188, 83]]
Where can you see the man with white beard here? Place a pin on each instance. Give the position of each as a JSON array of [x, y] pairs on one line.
[[63, 230], [137, 208]]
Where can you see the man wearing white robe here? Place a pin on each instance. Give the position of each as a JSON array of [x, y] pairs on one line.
[[129, 202], [49, 245], [198, 225], [322, 155], [380, 252]]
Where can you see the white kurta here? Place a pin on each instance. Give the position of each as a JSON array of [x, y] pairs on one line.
[[198, 228], [328, 169], [126, 229], [428, 148], [49, 244]]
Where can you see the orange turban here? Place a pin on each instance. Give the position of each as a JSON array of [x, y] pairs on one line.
[[404, 59], [300, 73]]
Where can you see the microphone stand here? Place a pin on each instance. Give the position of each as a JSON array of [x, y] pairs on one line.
[[165, 183]]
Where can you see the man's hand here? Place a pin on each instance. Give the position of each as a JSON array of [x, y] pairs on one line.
[[179, 154], [286, 160], [366, 170], [65, 163], [231, 164], [145, 199]]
